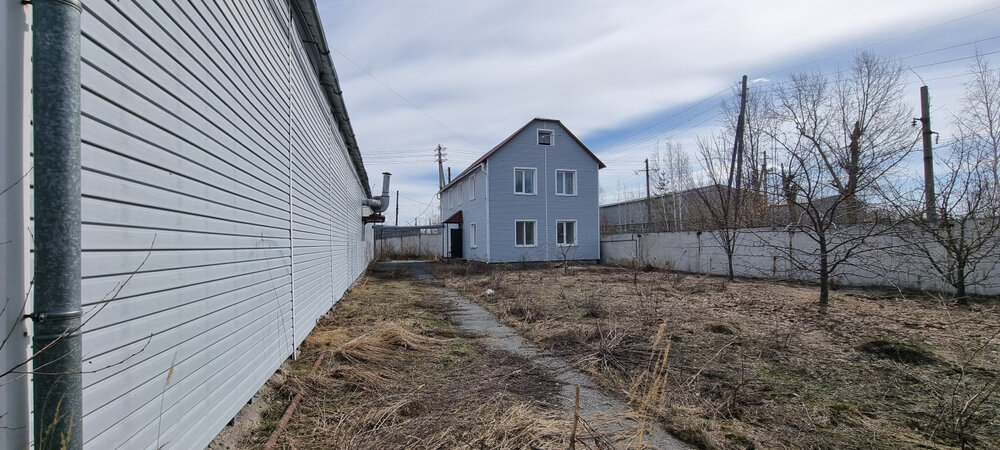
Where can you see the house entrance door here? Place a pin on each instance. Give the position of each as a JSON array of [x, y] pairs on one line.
[[456, 242]]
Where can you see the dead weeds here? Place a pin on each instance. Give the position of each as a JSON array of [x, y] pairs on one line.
[[756, 363], [399, 375]]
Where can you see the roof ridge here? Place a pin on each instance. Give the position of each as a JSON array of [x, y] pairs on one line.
[[478, 161]]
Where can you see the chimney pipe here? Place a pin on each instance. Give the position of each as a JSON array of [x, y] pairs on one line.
[[449, 175], [380, 204]]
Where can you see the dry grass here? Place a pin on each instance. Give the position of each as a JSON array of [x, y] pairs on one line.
[[756, 364], [399, 375]]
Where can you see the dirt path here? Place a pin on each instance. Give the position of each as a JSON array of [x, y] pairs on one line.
[[606, 415]]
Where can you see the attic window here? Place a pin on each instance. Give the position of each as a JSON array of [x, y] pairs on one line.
[[544, 137]]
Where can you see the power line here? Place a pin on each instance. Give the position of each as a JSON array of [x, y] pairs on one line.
[[779, 84], [666, 119], [957, 19], [774, 87], [962, 44], [956, 59], [400, 95]]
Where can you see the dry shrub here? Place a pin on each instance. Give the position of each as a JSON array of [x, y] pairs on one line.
[[379, 345], [327, 338], [395, 412], [361, 378], [500, 425], [613, 350], [569, 335], [518, 426], [523, 309], [305, 384], [401, 337], [593, 307]]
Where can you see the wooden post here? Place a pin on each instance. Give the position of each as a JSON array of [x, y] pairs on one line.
[[649, 215], [925, 123], [576, 419]]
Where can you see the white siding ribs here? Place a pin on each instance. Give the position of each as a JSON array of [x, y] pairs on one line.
[[214, 178]]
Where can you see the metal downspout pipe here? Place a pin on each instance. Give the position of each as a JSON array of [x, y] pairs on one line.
[[56, 368]]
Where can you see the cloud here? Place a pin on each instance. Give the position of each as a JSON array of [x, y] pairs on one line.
[[485, 68]]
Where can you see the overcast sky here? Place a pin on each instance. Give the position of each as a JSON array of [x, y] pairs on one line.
[[621, 75]]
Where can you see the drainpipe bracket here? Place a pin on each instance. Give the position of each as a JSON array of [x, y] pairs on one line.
[[40, 317]]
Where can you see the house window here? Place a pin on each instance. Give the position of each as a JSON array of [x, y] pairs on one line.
[[566, 232], [544, 137], [524, 181], [473, 240], [472, 187], [524, 233], [565, 182]]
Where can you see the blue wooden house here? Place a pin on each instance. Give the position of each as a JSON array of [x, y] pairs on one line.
[[533, 197]]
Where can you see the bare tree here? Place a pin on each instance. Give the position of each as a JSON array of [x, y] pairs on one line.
[[565, 253], [671, 176], [960, 241], [841, 138], [719, 210], [727, 203]]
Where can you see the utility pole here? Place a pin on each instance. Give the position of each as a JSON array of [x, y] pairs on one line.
[[440, 157], [649, 209], [736, 165], [925, 122], [397, 208]]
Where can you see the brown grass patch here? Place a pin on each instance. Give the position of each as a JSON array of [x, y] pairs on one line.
[[399, 375], [756, 364]]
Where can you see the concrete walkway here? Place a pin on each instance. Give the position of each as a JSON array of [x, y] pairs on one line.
[[607, 415]]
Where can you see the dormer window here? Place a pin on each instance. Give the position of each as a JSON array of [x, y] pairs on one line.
[[544, 137]]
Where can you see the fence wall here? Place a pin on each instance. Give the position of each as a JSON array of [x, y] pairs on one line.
[[763, 253], [221, 212], [426, 245]]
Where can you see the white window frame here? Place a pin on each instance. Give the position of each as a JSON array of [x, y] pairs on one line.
[[576, 232], [534, 181], [534, 232], [473, 238], [552, 137], [472, 186], [557, 182]]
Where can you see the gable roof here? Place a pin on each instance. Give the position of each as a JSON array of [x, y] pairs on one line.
[[468, 170]]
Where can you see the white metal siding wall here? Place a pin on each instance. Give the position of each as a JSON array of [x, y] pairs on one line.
[[14, 179], [215, 185]]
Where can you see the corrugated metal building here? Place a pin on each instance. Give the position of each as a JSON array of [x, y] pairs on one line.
[[222, 196]]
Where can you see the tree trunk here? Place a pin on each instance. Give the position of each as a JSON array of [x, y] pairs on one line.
[[960, 285], [824, 277], [729, 256], [850, 192]]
